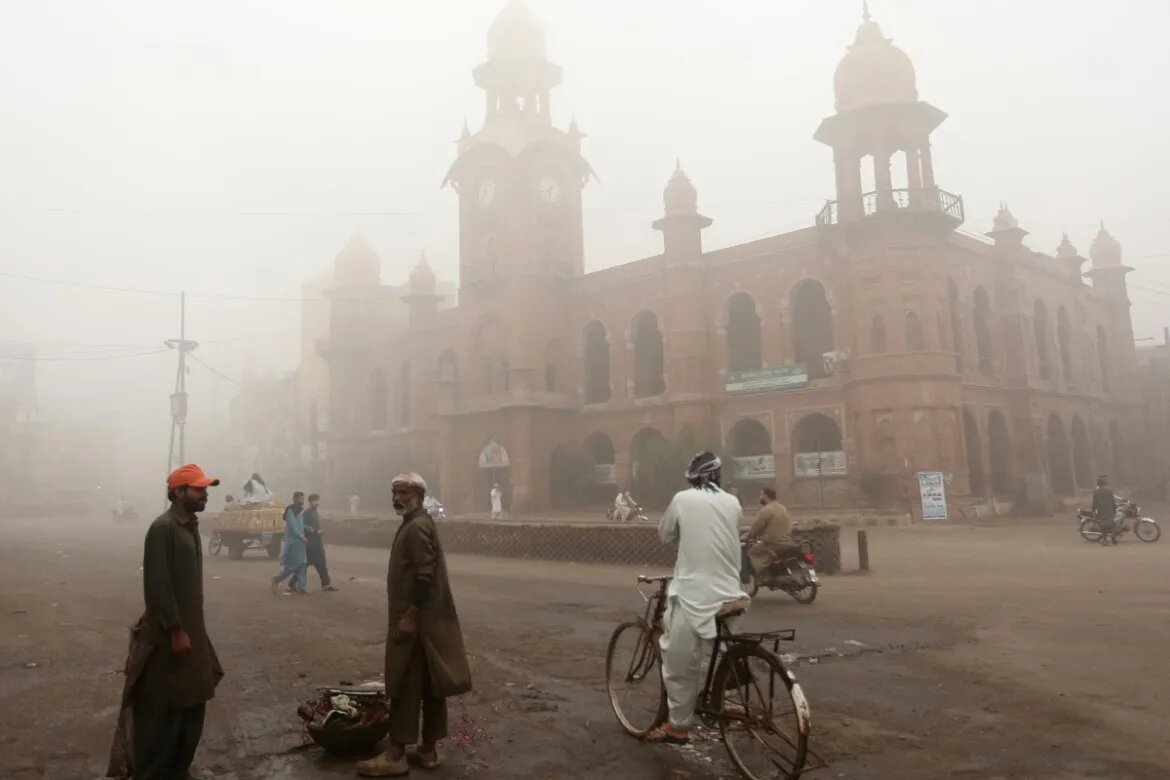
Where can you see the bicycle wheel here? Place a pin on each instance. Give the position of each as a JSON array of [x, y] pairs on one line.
[[633, 679], [215, 545], [763, 715]]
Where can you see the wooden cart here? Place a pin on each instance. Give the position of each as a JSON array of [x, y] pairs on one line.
[[255, 528]]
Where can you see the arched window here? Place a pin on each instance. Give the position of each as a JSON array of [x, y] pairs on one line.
[[816, 433], [1059, 462], [812, 325], [974, 452], [1040, 331], [750, 445], [1118, 448], [489, 356], [913, 331], [743, 333], [596, 359], [379, 401], [1000, 450], [649, 376], [1102, 358], [404, 399], [956, 333], [1082, 453], [983, 329], [1064, 340], [552, 358], [448, 366], [877, 335]]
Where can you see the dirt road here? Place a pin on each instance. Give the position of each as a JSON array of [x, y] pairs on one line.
[[967, 653]]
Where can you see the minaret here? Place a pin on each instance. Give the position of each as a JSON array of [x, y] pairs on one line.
[[1068, 254], [878, 115], [1006, 231], [1108, 275], [421, 300], [681, 223]]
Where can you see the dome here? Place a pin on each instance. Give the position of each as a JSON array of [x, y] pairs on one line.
[[357, 264], [516, 34], [873, 72], [680, 196], [1106, 250], [1065, 249], [1004, 219], [422, 278]]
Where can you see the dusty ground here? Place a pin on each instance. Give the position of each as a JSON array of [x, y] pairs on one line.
[[989, 652]]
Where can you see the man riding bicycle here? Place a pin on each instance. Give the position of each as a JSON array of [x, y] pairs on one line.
[[704, 520]]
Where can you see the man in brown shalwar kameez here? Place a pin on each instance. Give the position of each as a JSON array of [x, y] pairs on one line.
[[171, 669], [425, 660]]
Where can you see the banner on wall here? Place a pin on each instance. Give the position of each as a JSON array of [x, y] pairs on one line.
[[604, 474], [820, 464], [755, 467], [761, 380], [932, 487], [493, 456]]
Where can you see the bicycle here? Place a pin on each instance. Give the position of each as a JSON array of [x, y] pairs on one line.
[[765, 728]]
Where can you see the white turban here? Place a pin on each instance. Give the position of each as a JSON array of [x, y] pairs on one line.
[[410, 479]]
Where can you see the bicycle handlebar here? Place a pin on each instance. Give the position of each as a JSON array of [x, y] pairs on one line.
[[644, 578]]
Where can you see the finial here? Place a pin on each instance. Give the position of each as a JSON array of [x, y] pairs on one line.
[[677, 164], [422, 257], [865, 10]]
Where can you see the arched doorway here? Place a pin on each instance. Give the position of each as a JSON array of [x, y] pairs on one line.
[[603, 482], [818, 453], [493, 467], [448, 366], [754, 466], [812, 325], [649, 366], [596, 359], [1000, 450], [974, 454], [1064, 340], [1082, 454], [655, 473], [1103, 358], [1059, 458], [564, 480], [743, 333]]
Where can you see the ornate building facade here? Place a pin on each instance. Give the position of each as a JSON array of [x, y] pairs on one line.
[[835, 361]]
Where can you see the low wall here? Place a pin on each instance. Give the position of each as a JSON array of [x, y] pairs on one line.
[[597, 543]]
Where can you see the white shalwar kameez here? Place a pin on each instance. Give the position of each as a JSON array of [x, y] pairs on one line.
[[705, 522]]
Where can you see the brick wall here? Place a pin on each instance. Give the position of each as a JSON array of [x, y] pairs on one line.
[[614, 544]]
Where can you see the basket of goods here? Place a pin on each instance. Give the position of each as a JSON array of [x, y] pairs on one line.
[[346, 721]]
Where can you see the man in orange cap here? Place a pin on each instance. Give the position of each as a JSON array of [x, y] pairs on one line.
[[172, 669]]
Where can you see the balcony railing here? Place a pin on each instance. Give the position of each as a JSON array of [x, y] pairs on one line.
[[931, 200]]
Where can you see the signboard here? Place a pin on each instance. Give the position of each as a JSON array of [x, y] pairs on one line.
[[755, 467], [604, 474], [493, 456], [932, 487], [820, 464], [761, 380], [836, 361]]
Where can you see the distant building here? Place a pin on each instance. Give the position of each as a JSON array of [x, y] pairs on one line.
[[834, 361]]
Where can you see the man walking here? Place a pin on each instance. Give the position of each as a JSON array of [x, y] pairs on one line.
[[293, 557], [704, 521], [171, 669], [425, 660], [497, 499], [315, 547]]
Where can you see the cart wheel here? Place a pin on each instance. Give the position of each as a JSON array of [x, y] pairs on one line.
[[274, 548], [215, 544], [236, 549]]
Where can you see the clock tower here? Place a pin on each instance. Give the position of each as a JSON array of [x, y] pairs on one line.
[[519, 179]]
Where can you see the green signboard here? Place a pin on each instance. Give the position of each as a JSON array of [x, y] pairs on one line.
[[762, 380]]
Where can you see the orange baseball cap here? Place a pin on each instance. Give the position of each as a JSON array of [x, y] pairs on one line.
[[190, 475]]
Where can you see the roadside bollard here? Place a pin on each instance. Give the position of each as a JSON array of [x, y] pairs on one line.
[[862, 551]]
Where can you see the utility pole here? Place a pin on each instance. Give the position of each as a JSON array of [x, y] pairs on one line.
[[179, 397]]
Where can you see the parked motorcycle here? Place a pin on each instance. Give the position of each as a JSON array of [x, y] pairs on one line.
[[1129, 516], [791, 571], [636, 514]]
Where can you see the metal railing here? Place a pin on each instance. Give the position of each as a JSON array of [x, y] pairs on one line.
[[903, 200]]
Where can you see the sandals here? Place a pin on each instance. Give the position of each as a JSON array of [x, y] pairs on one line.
[[424, 760], [661, 736]]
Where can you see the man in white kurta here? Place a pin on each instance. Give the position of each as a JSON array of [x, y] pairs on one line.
[[705, 522], [497, 499]]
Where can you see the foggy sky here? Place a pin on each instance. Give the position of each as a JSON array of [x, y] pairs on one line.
[[233, 148]]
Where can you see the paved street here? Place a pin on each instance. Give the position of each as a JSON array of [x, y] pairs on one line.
[[969, 652]]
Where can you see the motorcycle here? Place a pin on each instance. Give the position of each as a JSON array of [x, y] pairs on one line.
[[435, 509], [636, 513], [1129, 515], [124, 515], [791, 571]]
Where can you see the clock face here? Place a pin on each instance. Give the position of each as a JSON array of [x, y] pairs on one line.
[[486, 193], [550, 189]]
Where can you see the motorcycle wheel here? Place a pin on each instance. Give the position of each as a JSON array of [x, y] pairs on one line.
[[805, 595], [1147, 530], [1090, 531]]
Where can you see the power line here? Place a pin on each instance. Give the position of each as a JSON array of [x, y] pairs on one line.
[[213, 370], [79, 358]]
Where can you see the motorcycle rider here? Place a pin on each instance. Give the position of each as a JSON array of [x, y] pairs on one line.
[[772, 528], [1105, 509], [623, 506]]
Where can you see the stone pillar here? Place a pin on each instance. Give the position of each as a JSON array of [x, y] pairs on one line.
[[882, 182], [926, 163]]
